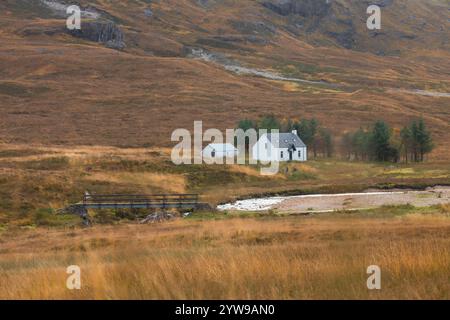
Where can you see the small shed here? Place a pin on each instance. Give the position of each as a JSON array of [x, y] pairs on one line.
[[220, 150]]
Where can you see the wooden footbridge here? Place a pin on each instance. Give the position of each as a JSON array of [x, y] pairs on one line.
[[155, 201], [134, 201]]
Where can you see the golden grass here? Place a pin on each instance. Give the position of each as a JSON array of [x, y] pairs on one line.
[[285, 258], [34, 177], [302, 167], [252, 171], [146, 181]]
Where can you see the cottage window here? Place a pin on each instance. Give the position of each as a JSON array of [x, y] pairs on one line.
[[299, 154], [213, 154], [282, 154]]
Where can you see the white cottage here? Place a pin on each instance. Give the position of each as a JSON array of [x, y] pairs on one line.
[[280, 147], [219, 150]]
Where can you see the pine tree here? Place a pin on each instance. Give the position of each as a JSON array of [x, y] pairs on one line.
[[313, 128], [424, 140], [381, 135], [304, 131], [308, 132], [269, 122], [361, 144], [347, 144], [326, 142], [414, 141], [287, 126], [406, 141], [246, 124]]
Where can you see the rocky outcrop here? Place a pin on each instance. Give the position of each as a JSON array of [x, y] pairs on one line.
[[304, 8], [60, 8], [346, 38], [253, 27], [97, 25], [107, 33]]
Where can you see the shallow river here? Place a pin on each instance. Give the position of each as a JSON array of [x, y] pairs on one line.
[[342, 201]]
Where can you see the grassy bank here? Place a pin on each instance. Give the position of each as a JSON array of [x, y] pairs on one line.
[[36, 181], [265, 257]]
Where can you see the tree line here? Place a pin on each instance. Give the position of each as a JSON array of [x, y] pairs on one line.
[[318, 138], [379, 143], [376, 143]]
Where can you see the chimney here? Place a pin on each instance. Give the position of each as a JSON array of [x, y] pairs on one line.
[[295, 132]]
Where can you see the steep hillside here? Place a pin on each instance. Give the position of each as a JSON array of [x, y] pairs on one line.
[[139, 69]]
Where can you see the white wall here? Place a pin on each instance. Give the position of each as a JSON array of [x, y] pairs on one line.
[[259, 152], [298, 155], [263, 150], [219, 154]]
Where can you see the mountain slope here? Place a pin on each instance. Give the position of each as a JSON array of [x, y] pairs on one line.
[[63, 88]]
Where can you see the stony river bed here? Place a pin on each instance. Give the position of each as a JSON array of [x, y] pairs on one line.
[[343, 201]]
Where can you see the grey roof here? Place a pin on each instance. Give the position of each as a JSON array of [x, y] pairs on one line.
[[286, 140]]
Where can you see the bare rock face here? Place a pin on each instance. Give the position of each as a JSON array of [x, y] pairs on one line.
[[107, 33], [316, 16], [304, 8]]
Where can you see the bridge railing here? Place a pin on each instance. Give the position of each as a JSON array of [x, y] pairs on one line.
[[154, 199]]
